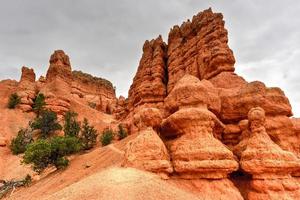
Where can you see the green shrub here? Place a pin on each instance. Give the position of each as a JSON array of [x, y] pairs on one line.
[[38, 154], [62, 146], [18, 144], [122, 133], [13, 101], [39, 104], [88, 135], [43, 153], [71, 126], [61, 163], [47, 123], [106, 137]]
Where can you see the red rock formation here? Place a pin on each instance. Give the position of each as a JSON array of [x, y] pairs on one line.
[[148, 152], [195, 152], [147, 117], [57, 88], [269, 165], [99, 93], [238, 101], [27, 89], [121, 109], [149, 83], [199, 47], [60, 67]]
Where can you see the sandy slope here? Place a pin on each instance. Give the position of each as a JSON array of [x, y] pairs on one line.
[[122, 184], [98, 175]]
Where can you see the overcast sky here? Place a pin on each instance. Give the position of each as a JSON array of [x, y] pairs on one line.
[[105, 38]]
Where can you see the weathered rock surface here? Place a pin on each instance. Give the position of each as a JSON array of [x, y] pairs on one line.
[[199, 47], [149, 83], [190, 91], [148, 152], [60, 67], [148, 117], [262, 157], [99, 93], [27, 89], [237, 102], [270, 166], [196, 153], [121, 109]]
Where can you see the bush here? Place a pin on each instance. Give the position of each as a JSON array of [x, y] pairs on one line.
[[106, 137], [88, 135], [122, 133], [62, 146], [47, 123], [38, 154], [39, 104], [13, 101], [61, 163], [18, 144], [71, 126], [51, 152]]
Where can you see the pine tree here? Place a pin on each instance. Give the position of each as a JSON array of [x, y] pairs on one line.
[[88, 135]]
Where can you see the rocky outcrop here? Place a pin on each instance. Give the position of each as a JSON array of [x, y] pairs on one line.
[[270, 166], [149, 83], [121, 109], [147, 117], [199, 47], [148, 152], [60, 67], [238, 101], [99, 93], [57, 87], [27, 89], [196, 153]]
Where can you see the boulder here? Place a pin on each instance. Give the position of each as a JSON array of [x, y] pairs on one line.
[[148, 152]]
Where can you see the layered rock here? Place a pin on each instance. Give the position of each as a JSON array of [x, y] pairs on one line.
[[149, 83], [148, 152], [57, 87], [99, 93], [121, 109], [269, 165], [199, 47], [243, 138], [147, 117], [27, 89], [60, 67], [231, 135], [238, 101], [196, 153]]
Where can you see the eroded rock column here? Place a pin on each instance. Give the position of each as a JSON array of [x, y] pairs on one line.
[[195, 152], [269, 165]]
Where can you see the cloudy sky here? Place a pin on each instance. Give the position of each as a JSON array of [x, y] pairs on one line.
[[105, 37]]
